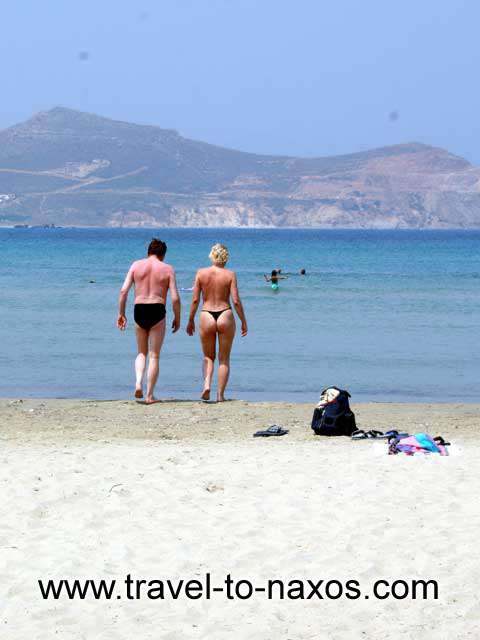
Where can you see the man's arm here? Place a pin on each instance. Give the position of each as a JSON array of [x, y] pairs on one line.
[[237, 303], [122, 300], [176, 304], [194, 306]]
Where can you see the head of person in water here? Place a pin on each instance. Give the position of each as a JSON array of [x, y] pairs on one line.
[[157, 248], [275, 273], [303, 272], [219, 255]]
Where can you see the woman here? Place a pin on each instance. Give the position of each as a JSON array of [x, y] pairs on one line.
[[216, 284], [274, 278]]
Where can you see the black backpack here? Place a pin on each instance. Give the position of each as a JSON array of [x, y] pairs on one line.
[[335, 418]]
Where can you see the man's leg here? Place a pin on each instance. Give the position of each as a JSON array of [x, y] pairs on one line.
[[140, 360], [155, 341], [208, 338]]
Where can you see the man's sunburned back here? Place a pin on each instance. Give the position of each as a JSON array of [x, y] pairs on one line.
[[215, 284], [151, 277]]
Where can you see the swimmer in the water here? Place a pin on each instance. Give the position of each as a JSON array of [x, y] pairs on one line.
[[274, 278], [303, 272]]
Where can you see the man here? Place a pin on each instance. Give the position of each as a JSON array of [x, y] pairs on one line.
[[152, 279]]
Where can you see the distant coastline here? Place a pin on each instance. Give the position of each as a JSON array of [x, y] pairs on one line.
[[74, 169], [242, 228]]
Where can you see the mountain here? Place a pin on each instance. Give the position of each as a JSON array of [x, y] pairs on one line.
[[67, 167]]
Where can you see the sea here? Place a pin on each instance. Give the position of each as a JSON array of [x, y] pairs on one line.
[[388, 315]]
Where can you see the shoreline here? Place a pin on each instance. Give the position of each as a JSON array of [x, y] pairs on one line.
[[253, 398], [311, 402]]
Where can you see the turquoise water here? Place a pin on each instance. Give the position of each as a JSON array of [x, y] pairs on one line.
[[388, 315]]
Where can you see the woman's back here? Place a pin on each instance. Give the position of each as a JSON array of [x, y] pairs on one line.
[[215, 283]]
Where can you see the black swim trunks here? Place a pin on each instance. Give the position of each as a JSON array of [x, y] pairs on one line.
[[148, 315]]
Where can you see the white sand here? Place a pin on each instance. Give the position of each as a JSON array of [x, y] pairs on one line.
[[289, 507]]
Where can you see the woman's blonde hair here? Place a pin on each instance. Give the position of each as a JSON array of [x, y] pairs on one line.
[[219, 253]]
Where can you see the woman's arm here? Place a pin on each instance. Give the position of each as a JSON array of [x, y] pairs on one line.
[[197, 290], [266, 277], [237, 303], [122, 299]]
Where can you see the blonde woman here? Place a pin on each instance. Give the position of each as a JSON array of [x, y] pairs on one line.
[[217, 285]]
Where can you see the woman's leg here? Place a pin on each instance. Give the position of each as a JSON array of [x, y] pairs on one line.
[[155, 342], [226, 334], [208, 337], [140, 360]]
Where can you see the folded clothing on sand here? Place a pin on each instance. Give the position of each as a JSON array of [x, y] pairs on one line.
[[418, 443]]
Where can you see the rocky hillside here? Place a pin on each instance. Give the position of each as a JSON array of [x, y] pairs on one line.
[[66, 167]]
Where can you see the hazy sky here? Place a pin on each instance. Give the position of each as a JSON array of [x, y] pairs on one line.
[[297, 77]]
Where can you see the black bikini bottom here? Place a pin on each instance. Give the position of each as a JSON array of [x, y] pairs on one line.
[[216, 314], [148, 315]]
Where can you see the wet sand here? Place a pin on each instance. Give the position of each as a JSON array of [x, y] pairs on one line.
[[233, 421]]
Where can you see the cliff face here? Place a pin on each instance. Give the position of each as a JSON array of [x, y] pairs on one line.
[[71, 168]]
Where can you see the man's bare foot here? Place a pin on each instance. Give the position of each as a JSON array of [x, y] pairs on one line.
[[221, 399], [151, 400], [205, 395], [138, 393]]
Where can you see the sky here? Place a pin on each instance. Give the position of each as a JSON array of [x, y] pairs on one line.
[[289, 77]]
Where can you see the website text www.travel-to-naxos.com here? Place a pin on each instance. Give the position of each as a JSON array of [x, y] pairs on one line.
[[131, 588]]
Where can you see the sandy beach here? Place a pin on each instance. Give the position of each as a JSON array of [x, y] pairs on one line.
[[103, 489]]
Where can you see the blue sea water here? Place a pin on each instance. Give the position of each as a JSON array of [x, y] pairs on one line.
[[389, 315]]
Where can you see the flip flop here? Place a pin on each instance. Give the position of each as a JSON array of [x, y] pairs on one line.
[[441, 441], [393, 433], [274, 430], [360, 434]]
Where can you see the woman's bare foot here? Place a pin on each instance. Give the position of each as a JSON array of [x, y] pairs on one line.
[[151, 400], [205, 395], [138, 393], [221, 399]]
